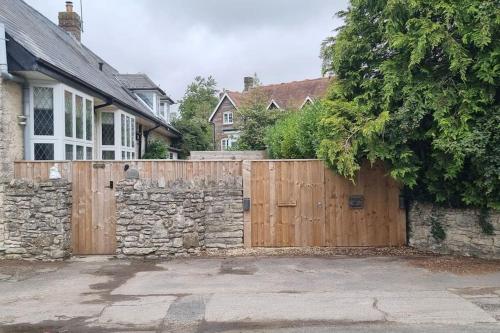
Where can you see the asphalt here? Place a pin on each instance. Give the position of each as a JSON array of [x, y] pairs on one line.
[[246, 294]]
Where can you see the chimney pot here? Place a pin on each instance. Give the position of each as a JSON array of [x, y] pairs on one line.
[[69, 6], [248, 82]]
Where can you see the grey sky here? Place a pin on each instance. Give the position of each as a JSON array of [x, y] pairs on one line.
[[174, 40]]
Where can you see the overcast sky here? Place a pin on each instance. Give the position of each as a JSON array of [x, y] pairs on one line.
[[175, 40]]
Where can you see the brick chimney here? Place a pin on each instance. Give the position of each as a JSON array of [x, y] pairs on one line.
[[248, 83], [70, 21]]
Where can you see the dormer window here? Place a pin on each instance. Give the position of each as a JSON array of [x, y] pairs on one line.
[[227, 118], [147, 97]]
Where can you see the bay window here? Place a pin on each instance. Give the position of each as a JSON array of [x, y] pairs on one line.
[[117, 135], [60, 126]]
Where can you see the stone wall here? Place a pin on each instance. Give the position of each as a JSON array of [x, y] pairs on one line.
[[463, 233], [157, 220], [37, 220]]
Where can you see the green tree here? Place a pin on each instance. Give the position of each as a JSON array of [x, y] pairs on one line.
[[196, 135], [200, 99], [295, 136], [195, 108], [254, 119], [417, 87]]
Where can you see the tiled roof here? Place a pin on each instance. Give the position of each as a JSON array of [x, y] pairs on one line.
[[50, 44], [287, 95], [137, 81]]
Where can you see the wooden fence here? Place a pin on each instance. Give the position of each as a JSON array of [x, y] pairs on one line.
[[291, 202], [303, 203]]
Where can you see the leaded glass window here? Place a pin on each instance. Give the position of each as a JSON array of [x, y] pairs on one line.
[[79, 116], [123, 129], [79, 153], [89, 153], [108, 129], [68, 152], [43, 117], [88, 120], [68, 114], [44, 151], [133, 132], [108, 154], [128, 132]]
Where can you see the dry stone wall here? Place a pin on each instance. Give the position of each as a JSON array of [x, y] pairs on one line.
[[37, 221], [463, 234], [157, 219]]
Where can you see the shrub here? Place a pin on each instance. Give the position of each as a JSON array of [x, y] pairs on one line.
[[295, 136], [156, 150]]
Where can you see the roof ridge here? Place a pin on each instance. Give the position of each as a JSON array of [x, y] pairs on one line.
[[296, 81]]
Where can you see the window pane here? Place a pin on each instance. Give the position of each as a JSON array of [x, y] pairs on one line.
[[108, 129], [68, 114], [146, 97], [69, 152], [128, 155], [79, 117], [44, 151], [79, 153], [89, 153], [133, 133], [162, 109], [123, 155], [43, 111], [133, 155], [123, 129], [128, 132], [88, 120], [108, 154]]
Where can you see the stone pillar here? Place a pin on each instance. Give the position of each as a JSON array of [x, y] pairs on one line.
[[11, 139]]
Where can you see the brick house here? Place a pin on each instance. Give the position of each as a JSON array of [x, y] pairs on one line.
[[61, 101], [285, 96]]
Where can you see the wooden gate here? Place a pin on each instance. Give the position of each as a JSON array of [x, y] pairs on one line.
[[93, 223], [302, 203]]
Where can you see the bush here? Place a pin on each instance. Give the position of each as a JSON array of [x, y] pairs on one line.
[[156, 150], [295, 136]]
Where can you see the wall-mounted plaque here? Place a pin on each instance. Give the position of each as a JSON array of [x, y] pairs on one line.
[[356, 201]]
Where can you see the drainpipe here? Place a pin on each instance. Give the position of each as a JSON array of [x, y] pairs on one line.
[[213, 135]]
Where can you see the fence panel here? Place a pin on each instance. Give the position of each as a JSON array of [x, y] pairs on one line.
[[303, 203]]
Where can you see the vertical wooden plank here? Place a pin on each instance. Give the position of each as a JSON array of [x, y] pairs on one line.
[[272, 205], [247, 193]]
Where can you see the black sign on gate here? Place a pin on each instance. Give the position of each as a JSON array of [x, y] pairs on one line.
[[356, 201]]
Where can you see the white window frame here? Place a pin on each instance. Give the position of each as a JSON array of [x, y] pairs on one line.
[[129, 148], [229, 120], [58, 139], [74, 141], [156, 100]]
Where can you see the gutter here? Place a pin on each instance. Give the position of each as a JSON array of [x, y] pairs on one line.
[[102, 94]]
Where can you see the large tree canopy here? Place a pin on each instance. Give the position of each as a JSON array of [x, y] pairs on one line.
[[417, 87]]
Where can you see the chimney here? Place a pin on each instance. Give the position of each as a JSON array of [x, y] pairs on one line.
[[248, 82], [70, 21]]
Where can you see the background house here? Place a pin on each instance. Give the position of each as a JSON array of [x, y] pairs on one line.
[[61, 101], [286, 96]]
